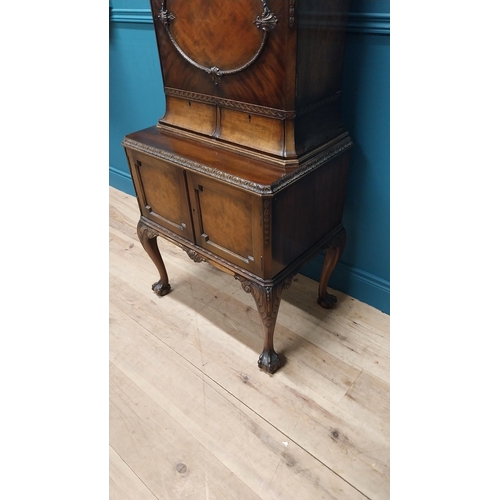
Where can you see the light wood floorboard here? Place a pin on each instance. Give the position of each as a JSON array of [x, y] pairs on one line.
[[191, 415]]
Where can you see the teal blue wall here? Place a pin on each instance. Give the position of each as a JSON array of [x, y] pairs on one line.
[[136, 101], [136, 98]]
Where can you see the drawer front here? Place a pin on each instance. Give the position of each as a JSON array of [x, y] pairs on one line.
[[253, 131], [227, 222], [190, 114], [162, 193]]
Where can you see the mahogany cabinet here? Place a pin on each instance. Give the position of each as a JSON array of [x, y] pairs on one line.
[[247, 167]]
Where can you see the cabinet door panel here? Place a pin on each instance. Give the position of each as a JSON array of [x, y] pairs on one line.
[[162, 193], [227, 221]]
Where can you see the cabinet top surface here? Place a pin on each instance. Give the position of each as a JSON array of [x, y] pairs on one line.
[[248, 173]]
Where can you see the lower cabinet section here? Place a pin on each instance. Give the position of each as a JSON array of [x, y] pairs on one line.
[[260, 227], [220, 218]]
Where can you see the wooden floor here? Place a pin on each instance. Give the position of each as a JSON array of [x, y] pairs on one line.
[[191, 415]]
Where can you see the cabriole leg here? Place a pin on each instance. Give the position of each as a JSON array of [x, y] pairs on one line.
[[333, 253], [267, 300], [148, 239]]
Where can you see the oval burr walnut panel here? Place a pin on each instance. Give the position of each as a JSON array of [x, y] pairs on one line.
[[260, 75], [234, 50], [207, 34]]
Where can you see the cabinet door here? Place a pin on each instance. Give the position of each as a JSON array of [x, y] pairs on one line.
[[162, 193], [227, 221], [224, 48]]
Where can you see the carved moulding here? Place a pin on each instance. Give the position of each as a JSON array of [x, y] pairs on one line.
[[194, 255], [250, 108], [266, 297], [267, 222], [229, 103], [291, 13], [145, 231], [265, 22], [263, 189]]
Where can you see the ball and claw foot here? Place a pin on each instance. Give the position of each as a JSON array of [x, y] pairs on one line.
[[160, 289], [327, 301], [269, 362]]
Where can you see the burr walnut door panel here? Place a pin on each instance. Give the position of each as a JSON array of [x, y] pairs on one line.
[[162, 193], [219, 25], [224, 48], [227, 221]]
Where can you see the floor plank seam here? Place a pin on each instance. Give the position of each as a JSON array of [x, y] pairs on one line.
[[361, 351], [203, 375], [288, 438], [350, 387], [132, 470]]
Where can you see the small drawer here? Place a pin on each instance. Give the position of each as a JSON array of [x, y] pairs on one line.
[[253, 131], [190, 115]]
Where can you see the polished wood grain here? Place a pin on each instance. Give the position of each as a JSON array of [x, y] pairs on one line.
[[191, 114], [195, 27], [261, 74], [321, 24], [307, 211], [253, 131], [191, 418], [263, 171], [158, 191], [222, 25], [227, 221], [259, 233], [264, 229]]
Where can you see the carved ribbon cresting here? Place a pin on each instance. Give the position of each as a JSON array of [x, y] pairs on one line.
[[265, 22]]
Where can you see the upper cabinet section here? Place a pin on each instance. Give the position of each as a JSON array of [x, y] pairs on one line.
[[261, 75]]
